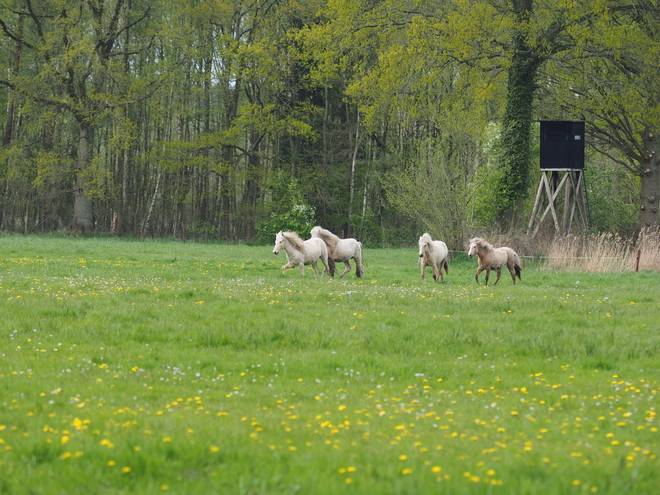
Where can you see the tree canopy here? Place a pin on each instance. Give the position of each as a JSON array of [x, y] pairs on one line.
[[379, 119]]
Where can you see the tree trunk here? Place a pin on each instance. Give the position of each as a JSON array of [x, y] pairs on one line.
[[351, 187], [83, 218], [650, 187], [147, 220], [11, 96], [517, 123]]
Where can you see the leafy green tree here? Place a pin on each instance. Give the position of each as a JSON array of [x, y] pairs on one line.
[[78, 47], [498, 51], [613, 86]]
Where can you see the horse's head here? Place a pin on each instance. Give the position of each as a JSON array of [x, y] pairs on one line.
[[279, 239], [474, 247], [315, 231], [424, 241]]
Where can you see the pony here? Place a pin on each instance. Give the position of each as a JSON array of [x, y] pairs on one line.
[[434, 254], [301, 253], [491, 258], [340, 250]]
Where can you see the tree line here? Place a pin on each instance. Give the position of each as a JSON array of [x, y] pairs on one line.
[[233, 119]]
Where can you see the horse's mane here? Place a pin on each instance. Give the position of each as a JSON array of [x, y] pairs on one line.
[[481, 243], [294, 239], [426, 237], [328, 237]]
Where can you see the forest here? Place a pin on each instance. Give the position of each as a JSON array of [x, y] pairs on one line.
[[378, 119]]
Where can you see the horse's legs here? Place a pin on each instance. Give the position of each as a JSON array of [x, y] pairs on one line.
[[302, 268], [359, 268], [476, 275], [499, 274], [487, 274], [326, 266], [512, 271], [437, 272], [286, 267], [347, 269], [423, 268], [316, 270]]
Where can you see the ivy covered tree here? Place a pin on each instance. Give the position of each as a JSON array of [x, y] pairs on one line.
[[496, 51]]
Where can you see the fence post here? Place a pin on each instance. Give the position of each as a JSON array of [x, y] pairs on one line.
[[639, 253]]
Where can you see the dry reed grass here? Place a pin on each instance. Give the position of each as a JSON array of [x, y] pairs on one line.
[[604, 252]]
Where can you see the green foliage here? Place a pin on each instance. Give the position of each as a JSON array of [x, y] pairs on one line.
[[367, 229], [190, 106], [613, 197], [287, 210], [440, 186], [134, 367]]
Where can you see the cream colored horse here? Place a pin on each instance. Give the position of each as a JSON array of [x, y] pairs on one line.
[[434, 254], [341, 250], [491, 258], [300, 253]]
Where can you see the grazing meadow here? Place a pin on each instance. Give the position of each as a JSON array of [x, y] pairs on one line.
[[167, 367]]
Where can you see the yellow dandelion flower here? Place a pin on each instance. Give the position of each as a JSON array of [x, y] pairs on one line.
[[126, 469]]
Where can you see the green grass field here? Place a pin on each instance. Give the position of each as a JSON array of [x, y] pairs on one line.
[[163, 367]]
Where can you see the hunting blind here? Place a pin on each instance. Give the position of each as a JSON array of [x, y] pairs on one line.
[[562, 174]]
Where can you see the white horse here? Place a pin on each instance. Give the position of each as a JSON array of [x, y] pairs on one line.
[[491, 258], [301, 253], [340, 250], [434, 254]]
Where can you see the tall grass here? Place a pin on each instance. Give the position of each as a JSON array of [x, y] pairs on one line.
[[605, 252], [163, 367]]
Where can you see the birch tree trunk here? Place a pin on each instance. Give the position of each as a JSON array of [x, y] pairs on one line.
[[351, 194], [83, 216]]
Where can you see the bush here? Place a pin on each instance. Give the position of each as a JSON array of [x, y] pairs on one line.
[[299, 219], [288, 210]]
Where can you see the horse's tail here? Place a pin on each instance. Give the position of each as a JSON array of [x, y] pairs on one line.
[[446, 265], [326, 260], [331, 266], [359, 268], [517, 266]]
